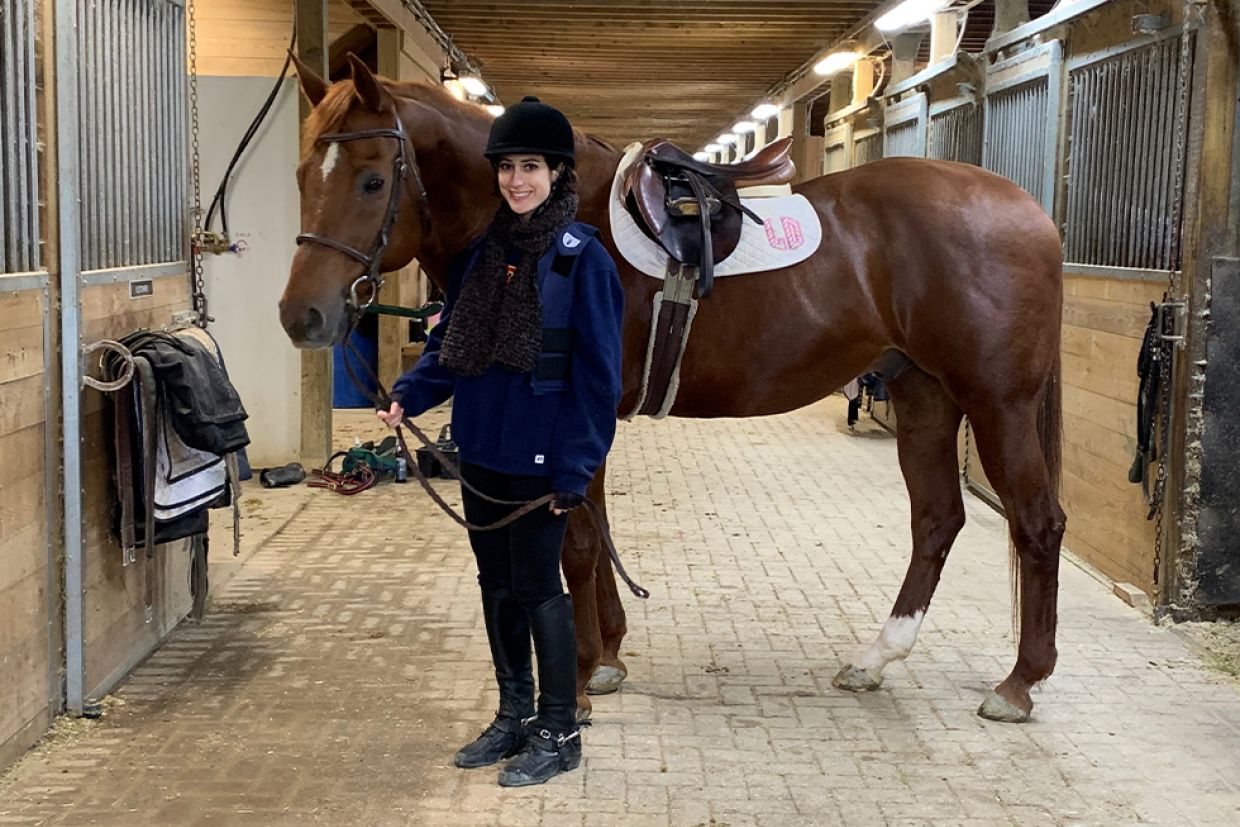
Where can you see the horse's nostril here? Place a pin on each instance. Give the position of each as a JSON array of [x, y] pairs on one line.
[[314, 321]]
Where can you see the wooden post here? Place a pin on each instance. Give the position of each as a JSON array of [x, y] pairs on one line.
[[904, 48], [316, 365], [942, 36], [841, 89], [862, 80], [1009, 14], [1199, 551], [807, 149]]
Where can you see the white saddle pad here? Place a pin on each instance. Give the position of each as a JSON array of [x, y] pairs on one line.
[[790, 233]]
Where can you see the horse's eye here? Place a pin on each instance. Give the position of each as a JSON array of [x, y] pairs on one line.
[[373, 184]]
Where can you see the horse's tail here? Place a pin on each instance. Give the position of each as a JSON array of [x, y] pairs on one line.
[[1050, 437]]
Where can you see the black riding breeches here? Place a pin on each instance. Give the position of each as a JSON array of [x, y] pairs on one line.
[[524, 556]]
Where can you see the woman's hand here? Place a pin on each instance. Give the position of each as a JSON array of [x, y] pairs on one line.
[[565, 502], [392, 416]]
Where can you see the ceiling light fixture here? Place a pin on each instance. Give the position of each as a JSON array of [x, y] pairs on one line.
[[909, 13], [474, 85], [835, 62]]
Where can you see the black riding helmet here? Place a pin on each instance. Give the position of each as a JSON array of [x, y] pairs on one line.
[[534, 128]]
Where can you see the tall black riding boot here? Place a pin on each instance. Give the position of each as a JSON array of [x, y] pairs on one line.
[[508, 630], [554, 744]]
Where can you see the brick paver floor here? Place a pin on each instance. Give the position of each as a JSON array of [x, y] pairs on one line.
[[345, 661]]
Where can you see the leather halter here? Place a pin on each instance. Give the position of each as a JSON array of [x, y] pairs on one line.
[[404, 162]]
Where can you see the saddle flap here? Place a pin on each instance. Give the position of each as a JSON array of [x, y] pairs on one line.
[[682, 234], [645, 194]]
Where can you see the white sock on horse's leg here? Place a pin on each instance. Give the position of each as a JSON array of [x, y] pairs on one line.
[[894, 642]]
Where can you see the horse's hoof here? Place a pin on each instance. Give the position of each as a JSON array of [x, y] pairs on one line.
[[998, 708], [583, 714], [855, 679], [605, 680]]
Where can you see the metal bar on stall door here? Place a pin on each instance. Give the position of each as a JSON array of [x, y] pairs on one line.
[[5, 266], [128, 14], [1143, 206], [27, 184], [68, 170], [167, 212], [108, 189], [142, 171], [1146, 237], [1163, 176], [1121, 184], [181, 167], [8, 137], [1076, 144], [1095, 218], [1080, 178], [1114, 161], [86, 137]]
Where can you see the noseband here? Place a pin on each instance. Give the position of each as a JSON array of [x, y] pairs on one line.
[[404, 162]]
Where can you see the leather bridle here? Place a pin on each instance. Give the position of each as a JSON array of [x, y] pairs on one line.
[[404, 162]]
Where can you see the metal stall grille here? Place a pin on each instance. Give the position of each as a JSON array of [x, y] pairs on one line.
[[1022, 125], [19, 145], [1125, 178], [956, 133], [904, 128], [867, 148], [132, 143]]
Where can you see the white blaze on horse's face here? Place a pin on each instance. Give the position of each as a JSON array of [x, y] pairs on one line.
[[524, 181], [330, 159]]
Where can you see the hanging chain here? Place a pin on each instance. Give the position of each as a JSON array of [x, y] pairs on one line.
[[968, 449], [1165, 340], [198, 288]]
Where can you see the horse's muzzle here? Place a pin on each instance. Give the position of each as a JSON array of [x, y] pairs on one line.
[[307, 327]]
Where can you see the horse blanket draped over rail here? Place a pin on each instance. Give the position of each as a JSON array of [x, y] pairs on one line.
[[176, 429]]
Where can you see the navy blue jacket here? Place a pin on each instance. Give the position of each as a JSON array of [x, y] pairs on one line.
[[559, 419]]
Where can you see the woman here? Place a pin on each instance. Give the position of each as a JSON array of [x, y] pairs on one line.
[[529, 349]]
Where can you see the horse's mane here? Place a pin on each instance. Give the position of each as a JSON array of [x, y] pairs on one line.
[[340, 99]]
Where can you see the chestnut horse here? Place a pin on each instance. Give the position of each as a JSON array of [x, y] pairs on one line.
[[952, 266]]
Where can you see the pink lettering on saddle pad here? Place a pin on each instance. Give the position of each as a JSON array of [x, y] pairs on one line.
[[791, 238]]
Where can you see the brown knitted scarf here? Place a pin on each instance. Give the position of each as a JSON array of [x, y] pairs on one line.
[[497, 319]]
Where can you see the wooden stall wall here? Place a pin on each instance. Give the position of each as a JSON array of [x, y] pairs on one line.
[[1104, 320], [29, 640], [118, 631]]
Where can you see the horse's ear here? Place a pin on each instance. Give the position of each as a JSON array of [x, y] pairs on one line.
[[312, 85], [369, 90]]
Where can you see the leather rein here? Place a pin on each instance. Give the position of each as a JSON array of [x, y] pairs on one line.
[[405, 162]]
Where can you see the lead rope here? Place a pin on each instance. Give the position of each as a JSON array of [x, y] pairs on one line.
[[383, 401]]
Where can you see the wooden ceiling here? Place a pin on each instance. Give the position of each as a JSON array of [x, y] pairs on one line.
[[625, 71]]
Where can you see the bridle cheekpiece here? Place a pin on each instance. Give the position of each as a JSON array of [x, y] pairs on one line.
[[404, 162]]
